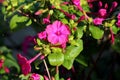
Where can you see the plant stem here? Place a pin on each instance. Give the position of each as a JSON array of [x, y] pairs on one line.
[[57, 70], [47, 69]]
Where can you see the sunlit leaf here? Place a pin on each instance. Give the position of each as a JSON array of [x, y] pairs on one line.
[[73, 51], [96, 32], [18, 22], [56, 59], [68, 63]]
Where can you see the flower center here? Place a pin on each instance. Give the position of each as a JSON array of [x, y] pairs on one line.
[[58, 33]]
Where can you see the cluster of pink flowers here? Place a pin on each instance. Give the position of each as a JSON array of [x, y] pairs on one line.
[[103, 12], [118, 22], [56, 33]]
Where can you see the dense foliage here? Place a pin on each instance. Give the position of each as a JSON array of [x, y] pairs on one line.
[[75, 40]]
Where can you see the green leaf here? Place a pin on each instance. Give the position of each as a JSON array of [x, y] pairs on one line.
[[85, 5], [41, 77], [14, 2], [79, 32], [73, 51], [57, 76], [10, 63], [56, 59], [81, 60], [68, 63], [96, 32], [115, 29], [55, 3], [17, 22], [39, 42]]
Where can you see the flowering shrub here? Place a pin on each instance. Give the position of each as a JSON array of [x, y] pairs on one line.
[[66, 30]]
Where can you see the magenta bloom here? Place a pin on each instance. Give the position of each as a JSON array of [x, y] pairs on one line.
[[42, 35], [1, 63], [118, 23], [102, 13], [46, 21], [77, 4], [6, 70], [118, 16], [35, 76], [25, 64], [58, 33], [26, 42], [1, 1], [98, 21]]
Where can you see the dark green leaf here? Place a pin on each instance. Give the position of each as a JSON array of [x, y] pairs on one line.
[[81, 60]]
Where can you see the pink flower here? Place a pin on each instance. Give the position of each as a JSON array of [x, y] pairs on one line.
[[98, 21], [77, 4], [45, 77], [1, 1], [81, 18], [118, 16], [6, 70], [26, 42], [42, 35], [102, 13], [114, 5], [25, 64], [1, 63], [58, 33], [35, 76], [118, 23], [46, 21]]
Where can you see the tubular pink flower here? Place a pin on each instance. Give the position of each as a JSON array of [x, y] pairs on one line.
[[57, 33], [35, 76], [25, 64], [77, 4], [114, 5], [98, 21], [100, 4], [118, 16], [1, 63], [46, 21], [42, 35], [118, 23]]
